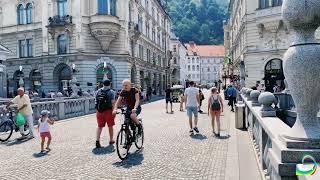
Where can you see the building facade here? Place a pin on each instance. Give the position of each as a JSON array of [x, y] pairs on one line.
[[62, 44], [177, 63], [204, 63], [4, 52], [258, 38]]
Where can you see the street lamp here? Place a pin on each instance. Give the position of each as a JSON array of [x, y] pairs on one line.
[[21, 82]]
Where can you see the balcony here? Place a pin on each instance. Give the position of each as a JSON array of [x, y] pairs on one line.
[[59, 23], [105, 29], [134, 30]]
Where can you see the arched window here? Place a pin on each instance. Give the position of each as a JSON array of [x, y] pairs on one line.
[[198, 67], [189, 68], [62, 44], [20, 14], [113, 7], [103, 7], [62, 7], [193, 68], [29, 13]]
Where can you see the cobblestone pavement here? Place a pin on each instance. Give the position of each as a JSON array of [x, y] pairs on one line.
[[169, 152]]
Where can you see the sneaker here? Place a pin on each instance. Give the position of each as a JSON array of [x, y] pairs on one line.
[[111, 142], [191, 131], [98, 145], [48, 149], [196, 129]]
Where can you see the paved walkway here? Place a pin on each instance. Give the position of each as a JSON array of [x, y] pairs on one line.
[[169, 152]]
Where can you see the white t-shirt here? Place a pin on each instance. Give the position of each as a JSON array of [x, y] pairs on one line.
[[44, 126], [23, 100], [191, 93]]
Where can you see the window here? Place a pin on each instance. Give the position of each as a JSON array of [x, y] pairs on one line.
[[154, 58], [62, 7], [62, 44], [197, 60], [198, 76], [158, 36], [20, 14], [113, 7], [263, 4], [148, 55], [198, 67], [140, 51], [193, 68], [193, 76], [276, 3], [147, 30], [29, 13], [189, 68], [153, 12], [208, 69], [189, 60], [153, 35], [103, 7], [25, 48], [174, 60], [140, 23], [174, 48], [192, 60], [159, 60]]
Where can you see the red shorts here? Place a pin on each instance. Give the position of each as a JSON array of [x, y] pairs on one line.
[[105, 117], [45, 134]]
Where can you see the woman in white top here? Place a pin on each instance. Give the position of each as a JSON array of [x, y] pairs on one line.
[[44, 129], [215, 107]]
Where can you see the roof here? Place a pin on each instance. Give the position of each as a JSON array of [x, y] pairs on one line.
[[205, 50]]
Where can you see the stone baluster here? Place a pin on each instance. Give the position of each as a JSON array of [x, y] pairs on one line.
[[302, 67], [254, 95], [267, 99]]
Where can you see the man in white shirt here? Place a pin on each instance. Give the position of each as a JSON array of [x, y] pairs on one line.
[[24, 107], [192, 101]]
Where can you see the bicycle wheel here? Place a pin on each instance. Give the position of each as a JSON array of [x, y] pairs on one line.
[[123, 144], [139, 139], [26, 130], [6, 130]]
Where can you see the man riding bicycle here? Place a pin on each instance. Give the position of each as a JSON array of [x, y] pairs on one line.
[[131, 98]]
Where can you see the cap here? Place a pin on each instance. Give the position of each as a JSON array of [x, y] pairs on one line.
[[44, 112]]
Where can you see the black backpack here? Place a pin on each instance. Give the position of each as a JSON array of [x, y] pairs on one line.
[[103, 100], [215, 106]]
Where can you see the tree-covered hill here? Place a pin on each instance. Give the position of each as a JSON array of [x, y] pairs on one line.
[[200, 21]]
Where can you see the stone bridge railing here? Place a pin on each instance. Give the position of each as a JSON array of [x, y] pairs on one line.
[[277, 156], [65, 108]]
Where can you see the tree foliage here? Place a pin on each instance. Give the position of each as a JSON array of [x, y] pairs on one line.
[[200, 21]]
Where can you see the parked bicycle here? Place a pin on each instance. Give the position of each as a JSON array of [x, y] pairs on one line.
[[128, 135], [8, 124]]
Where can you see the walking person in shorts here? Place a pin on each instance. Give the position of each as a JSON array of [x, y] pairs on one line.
[[105, 101], [192, 102], [215, 107], [169, 98], [44, 129]]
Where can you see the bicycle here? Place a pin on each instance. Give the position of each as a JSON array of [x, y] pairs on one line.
[[127, 135], [8, 124]]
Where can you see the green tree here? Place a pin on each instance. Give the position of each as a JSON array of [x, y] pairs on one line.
[[198, 21]]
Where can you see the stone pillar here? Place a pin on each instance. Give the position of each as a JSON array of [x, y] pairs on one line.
[[302, 67]]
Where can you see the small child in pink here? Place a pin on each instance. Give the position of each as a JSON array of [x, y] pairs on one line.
[[44, 129]]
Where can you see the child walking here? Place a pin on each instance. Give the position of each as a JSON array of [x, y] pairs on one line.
[[44, 129], [215, 107]]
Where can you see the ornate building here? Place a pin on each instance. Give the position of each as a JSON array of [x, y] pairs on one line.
[[59, 44], [3, 80], [258, 39], [204, 63], [177, 63]]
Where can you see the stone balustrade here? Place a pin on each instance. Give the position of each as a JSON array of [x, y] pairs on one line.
[[65, 108], [266, 132]]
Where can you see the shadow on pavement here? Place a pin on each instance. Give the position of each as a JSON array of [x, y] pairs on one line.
[[39, 155], [134, 159], [223, 136], [103, 150], [16, 142], [198, 137]]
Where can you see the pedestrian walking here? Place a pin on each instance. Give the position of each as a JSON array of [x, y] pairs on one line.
[[201, 99], [169, 98], [24, 107], [215, 108], [44, 129], [232, 95], [105, 102], [181, 99], [192, 102]]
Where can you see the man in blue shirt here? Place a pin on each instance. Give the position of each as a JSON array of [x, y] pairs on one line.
[[232, 95]]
